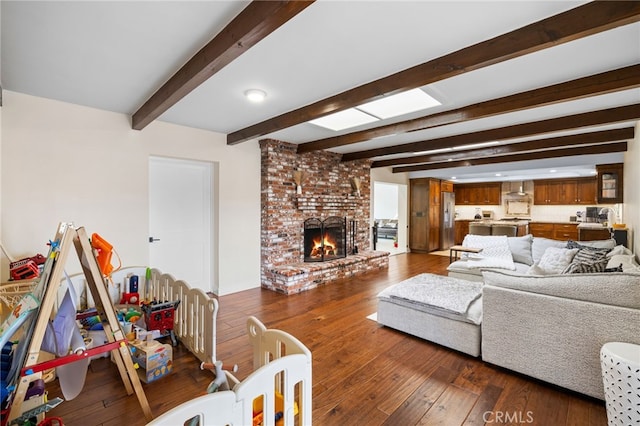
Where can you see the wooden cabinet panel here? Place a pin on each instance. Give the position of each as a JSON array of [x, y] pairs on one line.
[[446, 186], [462, 195], [564, 191], [610, 183], [565, 231], [419, 219], [586, 191], [424, 222], [555, 231], [590, 234], [544, 230], [461, 230], [434, 227], [434, 192], [479, 194]]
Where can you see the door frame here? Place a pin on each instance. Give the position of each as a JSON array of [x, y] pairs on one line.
[[211, 201]]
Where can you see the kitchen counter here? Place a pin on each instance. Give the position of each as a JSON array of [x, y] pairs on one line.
[[503, 222]]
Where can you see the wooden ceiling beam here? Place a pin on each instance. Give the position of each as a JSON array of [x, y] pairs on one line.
[[514, 148], [582, 21], [598, 84], [539, 155], [254, 23], [594, 118]]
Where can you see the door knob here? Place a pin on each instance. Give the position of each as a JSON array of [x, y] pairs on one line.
[[151, 239]]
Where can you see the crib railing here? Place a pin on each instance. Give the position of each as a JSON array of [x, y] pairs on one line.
[[283, 372]]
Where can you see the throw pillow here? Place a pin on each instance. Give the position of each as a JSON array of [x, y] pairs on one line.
[[589, 256], [521, 249], [628, 262], [555, 260], [573, 245], [586, 268], [616, 269]]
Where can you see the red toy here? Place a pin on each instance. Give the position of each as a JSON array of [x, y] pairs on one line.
[[160, 316]]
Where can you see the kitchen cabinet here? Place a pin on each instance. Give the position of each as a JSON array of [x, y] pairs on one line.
[[586, 189], [592, 234], [564, 191], [538, 229], [610, 183], [554, 231], [565, 231], [479, 194], [446, 186], [424, 222], [461, 230]]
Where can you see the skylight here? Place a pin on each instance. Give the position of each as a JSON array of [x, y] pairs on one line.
[[402, 103], [344, 119], [387, 107]]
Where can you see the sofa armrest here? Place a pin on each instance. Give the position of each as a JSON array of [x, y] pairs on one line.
[[552, 338]]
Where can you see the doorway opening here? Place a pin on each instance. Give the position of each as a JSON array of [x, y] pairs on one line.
[[390, 214]]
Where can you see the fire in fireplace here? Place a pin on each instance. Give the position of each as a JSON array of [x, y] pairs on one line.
[[325, 239]]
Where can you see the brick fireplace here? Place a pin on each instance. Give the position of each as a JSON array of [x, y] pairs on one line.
[[329, 188]]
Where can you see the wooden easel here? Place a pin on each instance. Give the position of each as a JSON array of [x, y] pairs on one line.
[[52, 275]]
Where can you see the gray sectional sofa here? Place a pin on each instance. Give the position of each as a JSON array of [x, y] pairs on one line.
[[550, 326]]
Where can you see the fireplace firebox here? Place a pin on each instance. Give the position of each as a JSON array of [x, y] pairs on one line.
[[325, 239]]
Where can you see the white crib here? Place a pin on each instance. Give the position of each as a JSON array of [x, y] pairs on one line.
[[282, 365]]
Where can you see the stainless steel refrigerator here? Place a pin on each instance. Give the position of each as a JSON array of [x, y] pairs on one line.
[[447, 224]]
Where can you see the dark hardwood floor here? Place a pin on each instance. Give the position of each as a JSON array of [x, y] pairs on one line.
[[363, 374]]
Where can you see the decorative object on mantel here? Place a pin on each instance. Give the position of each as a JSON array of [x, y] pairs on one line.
[[298, 177], [355, 185]]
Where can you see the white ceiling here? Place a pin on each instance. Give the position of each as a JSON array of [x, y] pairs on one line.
[[114, 55]]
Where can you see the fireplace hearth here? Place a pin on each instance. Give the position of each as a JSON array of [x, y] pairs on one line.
[[325, 239]]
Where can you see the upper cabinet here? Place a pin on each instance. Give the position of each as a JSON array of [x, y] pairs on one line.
[[610, 184], [479, 194], [564, 191]]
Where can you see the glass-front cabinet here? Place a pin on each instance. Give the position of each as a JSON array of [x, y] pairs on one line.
[[610, 186]]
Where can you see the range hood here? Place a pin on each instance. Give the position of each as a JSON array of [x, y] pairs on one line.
[[516, 188], [515, 192]]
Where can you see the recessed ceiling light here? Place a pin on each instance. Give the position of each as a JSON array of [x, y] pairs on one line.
[[255, 95], [552, 171], [498, 174], [453, 178]]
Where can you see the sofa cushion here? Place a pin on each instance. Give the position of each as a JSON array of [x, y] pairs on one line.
[[554, 261], [628, 262], [540, 244], [618, 289], [521, 249]]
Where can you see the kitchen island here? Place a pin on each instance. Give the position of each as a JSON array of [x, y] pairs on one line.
[[462, 226]]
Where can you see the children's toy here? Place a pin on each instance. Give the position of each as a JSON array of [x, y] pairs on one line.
[[221, 382], [104, 251], [155, 360], [282, 366], [160, 316]]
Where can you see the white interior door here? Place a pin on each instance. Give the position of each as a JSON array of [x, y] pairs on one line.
[[180, 220]]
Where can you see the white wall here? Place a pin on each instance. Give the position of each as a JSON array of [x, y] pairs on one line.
[[631, 212], [386, 200], [67, 163]]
